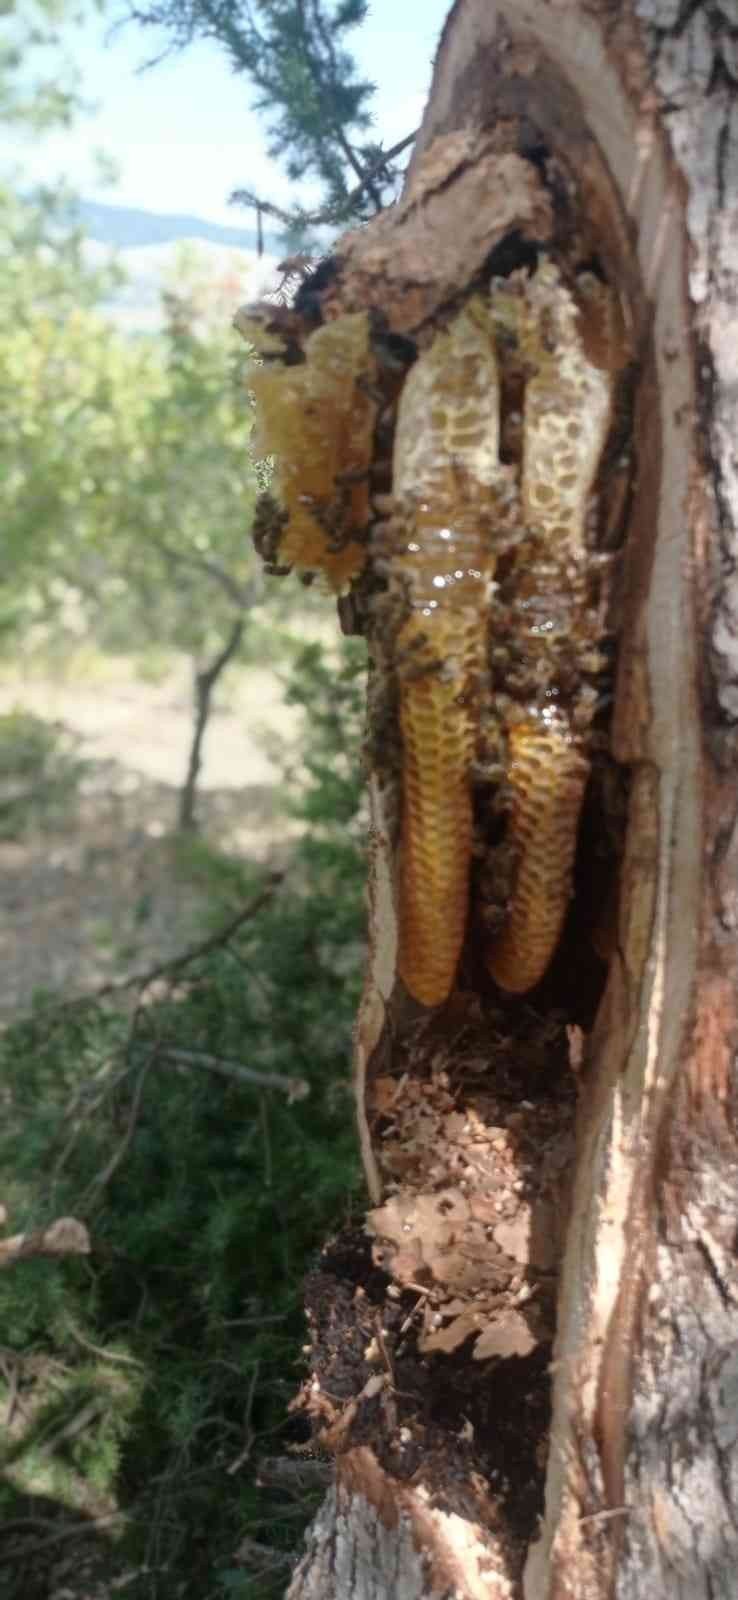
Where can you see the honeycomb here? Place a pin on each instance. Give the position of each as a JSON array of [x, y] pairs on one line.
[[447, 484], [317, 419], [438, 739], [566, 416], [548, 775]]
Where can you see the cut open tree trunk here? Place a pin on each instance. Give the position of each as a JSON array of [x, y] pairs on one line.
[[526, 1367]]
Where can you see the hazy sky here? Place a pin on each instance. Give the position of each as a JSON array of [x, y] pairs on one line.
[[182, 134]]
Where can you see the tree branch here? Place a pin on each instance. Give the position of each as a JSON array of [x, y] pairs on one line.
[[344, 144], [144, 979], [204, 684], [335, 212], [244, 596], [294, 1088], [101, 1179]]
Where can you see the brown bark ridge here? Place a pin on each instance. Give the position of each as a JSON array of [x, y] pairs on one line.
[[560, 1165]]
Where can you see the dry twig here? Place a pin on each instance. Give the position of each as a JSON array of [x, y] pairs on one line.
[[294, 1088], [65, 1237]]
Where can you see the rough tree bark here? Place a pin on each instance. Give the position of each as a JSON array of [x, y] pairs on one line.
[[561, 1163]]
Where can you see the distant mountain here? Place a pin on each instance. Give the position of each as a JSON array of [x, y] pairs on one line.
[[135, 306], [147, 245], [125, 228]]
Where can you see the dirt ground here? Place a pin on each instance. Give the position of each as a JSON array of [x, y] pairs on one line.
[[96, 892]]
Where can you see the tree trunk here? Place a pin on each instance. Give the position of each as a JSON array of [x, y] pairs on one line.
[[555, 1159], [205, 681]]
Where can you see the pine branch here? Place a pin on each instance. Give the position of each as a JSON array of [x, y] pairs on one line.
[[332, 213], [307, 85]]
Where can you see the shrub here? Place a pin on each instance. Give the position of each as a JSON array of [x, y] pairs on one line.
[[40, 769], [178, 1342]]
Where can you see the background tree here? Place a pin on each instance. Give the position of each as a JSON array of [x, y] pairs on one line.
[[126, 487], [47, 296], [32, 97], [169, 536]]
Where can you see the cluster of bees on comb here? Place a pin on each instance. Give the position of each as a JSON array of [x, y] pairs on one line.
[[458, 476]]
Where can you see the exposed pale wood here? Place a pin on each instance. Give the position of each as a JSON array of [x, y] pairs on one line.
[[641, 100]]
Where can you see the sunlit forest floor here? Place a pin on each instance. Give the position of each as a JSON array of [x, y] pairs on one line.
[[96, 886]]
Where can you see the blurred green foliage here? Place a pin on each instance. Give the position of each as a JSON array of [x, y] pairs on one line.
[[141, 1387], [156, 1374], [126, 482], [40, 769], [38, 82], [126, 487]]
